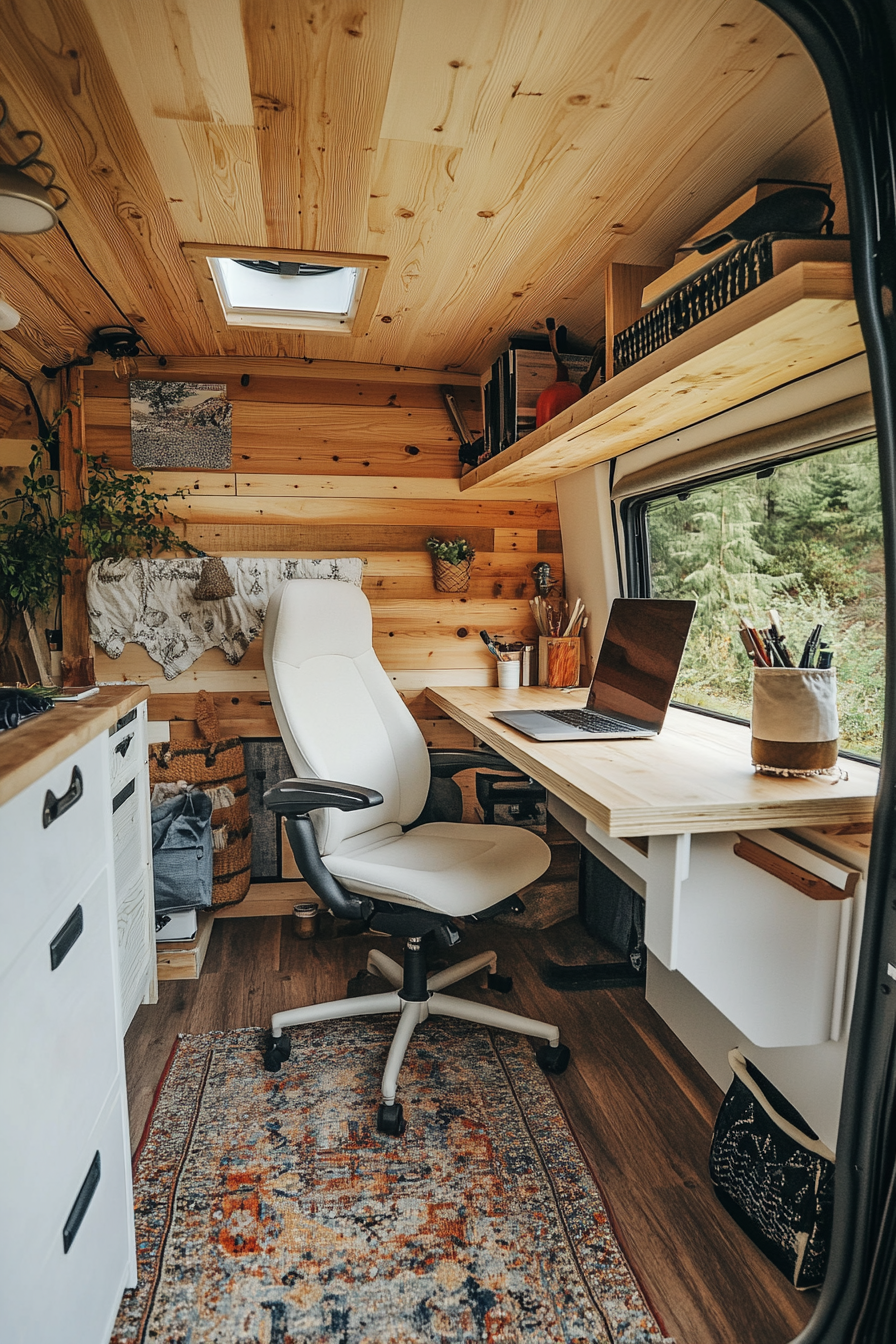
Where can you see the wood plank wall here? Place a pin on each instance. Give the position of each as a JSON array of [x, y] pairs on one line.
[[325, 463]]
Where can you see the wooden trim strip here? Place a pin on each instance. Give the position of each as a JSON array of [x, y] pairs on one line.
[[786, 871]]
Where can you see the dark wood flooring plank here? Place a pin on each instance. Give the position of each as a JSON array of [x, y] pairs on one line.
[[639, 1103]]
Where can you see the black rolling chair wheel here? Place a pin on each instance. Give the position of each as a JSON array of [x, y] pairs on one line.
[[276, 1051], [390, 1119], [502, 983], [553, 1058]]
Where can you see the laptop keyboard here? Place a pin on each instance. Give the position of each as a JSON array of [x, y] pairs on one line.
[[588, 719]]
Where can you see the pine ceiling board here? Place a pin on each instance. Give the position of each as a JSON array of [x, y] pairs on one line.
[[44, 320], [192, 108], [319, 75], [57, 78], [13, 399], [51, 264], [543, 180]]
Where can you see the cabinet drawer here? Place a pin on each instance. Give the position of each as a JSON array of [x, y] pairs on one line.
[[59, 1053], [48, 1294], [127, 748], [43, 861]]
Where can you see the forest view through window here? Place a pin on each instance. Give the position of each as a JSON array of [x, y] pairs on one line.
[[806, 540]]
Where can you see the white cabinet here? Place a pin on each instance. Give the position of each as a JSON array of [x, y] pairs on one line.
[[67, 1235], [129, 772]]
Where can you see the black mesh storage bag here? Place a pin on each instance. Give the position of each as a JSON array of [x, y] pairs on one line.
[[773, 1175]]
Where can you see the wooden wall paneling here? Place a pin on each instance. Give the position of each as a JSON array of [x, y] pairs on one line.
[[77, 650], [515, 526], [58, 78], [216, 369], [13, 400], [319, 78]]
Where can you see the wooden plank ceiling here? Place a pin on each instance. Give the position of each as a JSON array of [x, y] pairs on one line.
[[501, 154]]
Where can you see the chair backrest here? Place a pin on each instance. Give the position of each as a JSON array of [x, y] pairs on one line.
[[338, 713]]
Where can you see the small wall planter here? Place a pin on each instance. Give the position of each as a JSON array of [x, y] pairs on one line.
[[449, 578]]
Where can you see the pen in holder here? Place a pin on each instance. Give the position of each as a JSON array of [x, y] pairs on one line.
[[794, 723], [559, 658]]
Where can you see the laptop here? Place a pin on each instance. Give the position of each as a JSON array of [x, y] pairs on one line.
[[632, 684]]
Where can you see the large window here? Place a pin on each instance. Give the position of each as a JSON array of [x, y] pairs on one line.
[[804, 538]]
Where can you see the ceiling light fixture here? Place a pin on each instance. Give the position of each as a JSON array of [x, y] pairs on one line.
[[9, 318], [122, 345], [26, 206]]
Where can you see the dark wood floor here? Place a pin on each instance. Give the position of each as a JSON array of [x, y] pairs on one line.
[[641, 1106]]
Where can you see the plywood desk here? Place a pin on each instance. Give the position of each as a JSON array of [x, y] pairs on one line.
[[743, 922], [695, 777]]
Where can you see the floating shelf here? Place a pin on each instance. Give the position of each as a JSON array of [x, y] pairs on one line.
[[795, 324]]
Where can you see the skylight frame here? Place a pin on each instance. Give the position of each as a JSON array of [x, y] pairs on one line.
[[226, 319]]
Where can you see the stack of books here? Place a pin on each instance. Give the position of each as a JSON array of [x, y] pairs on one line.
[[512, 387]]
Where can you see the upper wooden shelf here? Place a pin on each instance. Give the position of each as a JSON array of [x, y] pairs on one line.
[[796, 323]]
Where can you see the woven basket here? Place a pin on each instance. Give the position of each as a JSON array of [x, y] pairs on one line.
[[449, 578], [209, 765]]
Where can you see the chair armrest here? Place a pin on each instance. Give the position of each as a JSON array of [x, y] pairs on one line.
[[296, 797], [445, 763]]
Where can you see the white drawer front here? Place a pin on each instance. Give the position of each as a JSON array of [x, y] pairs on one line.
[[127, 748], [40, 863], [60, 1056], [54, 1296]]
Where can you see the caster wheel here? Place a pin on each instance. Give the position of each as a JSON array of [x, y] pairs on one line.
[[502, 983], [553, 1058], [390, 1119], [277, 1050]]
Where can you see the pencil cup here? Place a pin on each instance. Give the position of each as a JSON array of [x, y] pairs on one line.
[[794, 723], [509, 674], [558, 661]]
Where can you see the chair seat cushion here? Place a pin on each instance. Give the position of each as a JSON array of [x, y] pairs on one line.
[[451, 867]]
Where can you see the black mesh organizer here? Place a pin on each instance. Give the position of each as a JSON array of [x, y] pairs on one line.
[[735, 274], [773, 1175]]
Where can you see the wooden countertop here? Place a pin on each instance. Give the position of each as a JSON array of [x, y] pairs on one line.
[[696, 776], [36, 746]]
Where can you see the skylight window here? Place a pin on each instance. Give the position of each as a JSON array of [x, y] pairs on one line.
[[285, 290], [302, 299]]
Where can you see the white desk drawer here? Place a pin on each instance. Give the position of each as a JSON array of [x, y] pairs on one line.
[[54, 1296], [41, 862], [127, 748], [59, 1054]]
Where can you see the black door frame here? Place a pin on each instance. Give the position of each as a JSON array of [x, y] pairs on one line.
[[853, 45]]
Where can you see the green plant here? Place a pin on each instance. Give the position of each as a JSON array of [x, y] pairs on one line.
[[454, 552], [119, 517], [34, 545]]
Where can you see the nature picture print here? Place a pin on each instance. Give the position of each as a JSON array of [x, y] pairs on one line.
[[175, 424]]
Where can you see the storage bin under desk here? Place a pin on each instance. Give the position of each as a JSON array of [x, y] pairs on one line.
[[773, 960]]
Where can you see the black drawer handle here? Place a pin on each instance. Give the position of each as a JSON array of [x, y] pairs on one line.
[[54, 807], [121, 798], [66, 938], [122, 746], [81, 1204]]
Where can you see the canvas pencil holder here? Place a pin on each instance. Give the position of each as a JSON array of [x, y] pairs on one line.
[[558, 660], [794, 724]]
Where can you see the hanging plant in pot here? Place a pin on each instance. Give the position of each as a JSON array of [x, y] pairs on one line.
[[451, 564]]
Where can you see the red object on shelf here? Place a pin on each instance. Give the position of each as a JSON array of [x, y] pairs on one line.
[[560, 394], [555, 399]]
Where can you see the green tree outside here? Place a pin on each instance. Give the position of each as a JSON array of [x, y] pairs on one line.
[[806, 540]]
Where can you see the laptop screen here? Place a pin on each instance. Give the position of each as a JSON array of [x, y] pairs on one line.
[[639, 659]]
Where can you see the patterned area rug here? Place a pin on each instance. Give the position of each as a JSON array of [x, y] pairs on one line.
[[270, 1210]]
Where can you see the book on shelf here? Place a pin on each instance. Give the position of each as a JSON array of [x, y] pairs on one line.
[[512, 386]]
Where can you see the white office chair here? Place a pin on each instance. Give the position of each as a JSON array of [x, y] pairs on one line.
[[360, 845]]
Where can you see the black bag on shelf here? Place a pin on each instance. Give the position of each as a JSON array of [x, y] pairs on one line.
[[773, 1175], [182, 852]]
